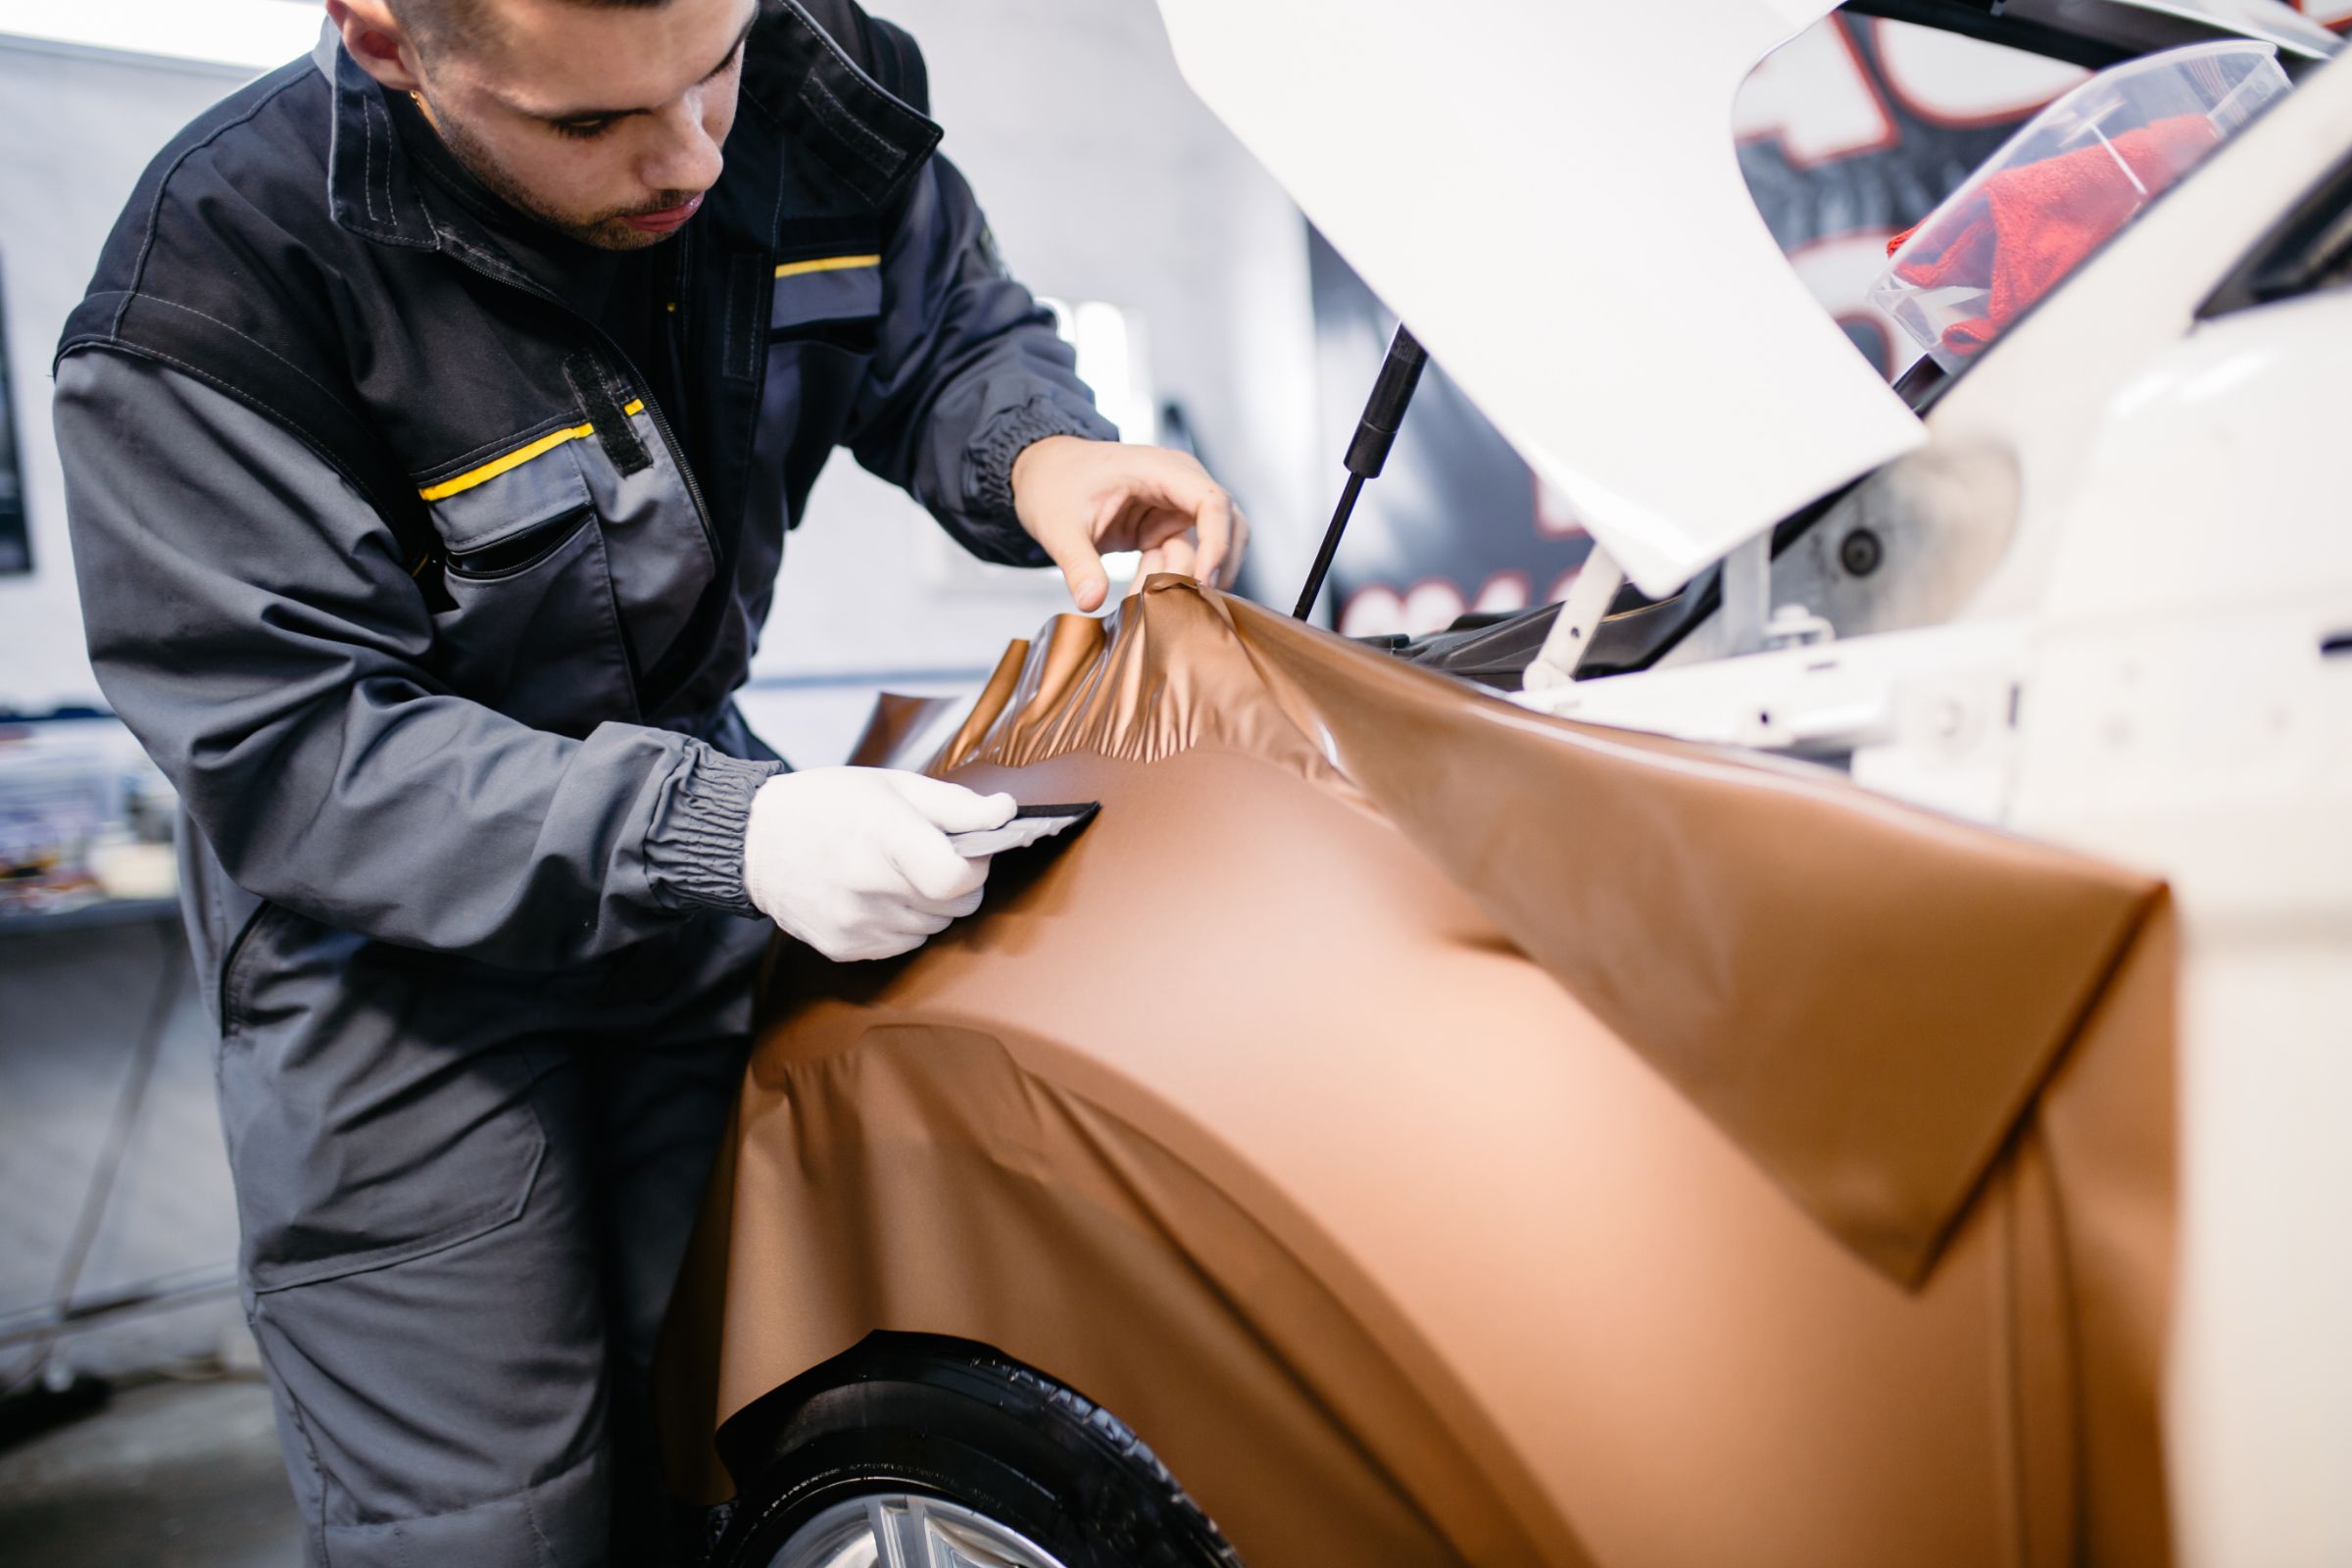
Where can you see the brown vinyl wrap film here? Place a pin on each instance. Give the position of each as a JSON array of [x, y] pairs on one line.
[[896, 721], [1450, 1133]]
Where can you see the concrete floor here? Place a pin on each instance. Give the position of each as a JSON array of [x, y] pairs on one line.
[[167, 1475]]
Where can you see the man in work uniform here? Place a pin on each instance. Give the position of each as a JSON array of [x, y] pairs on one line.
[[432, 426]]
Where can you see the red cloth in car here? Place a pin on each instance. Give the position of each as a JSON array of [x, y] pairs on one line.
[[2026, 227]]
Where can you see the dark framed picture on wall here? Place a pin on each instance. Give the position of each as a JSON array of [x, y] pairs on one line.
[[16, 544]]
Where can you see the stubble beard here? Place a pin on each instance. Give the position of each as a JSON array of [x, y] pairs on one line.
[[612, 233]]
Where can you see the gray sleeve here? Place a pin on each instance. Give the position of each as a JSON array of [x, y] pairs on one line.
[[250, 620], [968, 371]]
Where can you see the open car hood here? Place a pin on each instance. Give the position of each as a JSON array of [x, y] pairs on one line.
[[1547, 191]]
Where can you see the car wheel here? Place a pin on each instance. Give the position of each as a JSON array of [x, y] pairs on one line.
[[934, 1453]]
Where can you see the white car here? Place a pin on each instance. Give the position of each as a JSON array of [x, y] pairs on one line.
[[2095, 589], [1460, 1207]]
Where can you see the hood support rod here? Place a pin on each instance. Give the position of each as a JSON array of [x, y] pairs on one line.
[[1368, 453]]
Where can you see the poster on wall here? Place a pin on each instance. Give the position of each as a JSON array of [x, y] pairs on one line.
[[1847, 134], [16, 543]]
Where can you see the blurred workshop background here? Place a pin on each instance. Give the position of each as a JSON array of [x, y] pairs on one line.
[[1206, 314]]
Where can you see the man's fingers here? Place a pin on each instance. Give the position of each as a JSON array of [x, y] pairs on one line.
[[1212, 527], [1084, 498], [935, 873], [1081, 567], [1178, 497], [957, 908], [1230, 569], [1146, 525], [939, 878], [951, 808]]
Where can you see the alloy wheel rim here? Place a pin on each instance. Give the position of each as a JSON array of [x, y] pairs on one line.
[[902, 1530]]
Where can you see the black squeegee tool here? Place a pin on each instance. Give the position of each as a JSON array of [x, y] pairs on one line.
[[1368, 453], [1031, 824], [1024, 847]]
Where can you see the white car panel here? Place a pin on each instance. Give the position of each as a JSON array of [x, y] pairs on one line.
[[2183, 712], [1548, 194], [2043, 389], [2157, 673]]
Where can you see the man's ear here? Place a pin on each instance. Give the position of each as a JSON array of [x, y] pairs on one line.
[[374, 38]]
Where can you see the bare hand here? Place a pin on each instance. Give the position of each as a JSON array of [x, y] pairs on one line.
[[1079, 498]]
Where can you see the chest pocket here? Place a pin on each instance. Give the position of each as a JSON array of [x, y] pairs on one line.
[[495, 516], [827, 299], [565, 577]]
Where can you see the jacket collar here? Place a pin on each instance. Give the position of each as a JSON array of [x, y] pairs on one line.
[[819, 107], [820, 136], [371, 190]]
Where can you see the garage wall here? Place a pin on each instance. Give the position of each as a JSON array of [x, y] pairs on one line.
[[79, 130], [1105, 181]]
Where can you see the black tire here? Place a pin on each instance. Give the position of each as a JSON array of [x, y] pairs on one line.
[[920, 1414]]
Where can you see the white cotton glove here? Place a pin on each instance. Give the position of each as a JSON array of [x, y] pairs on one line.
[[855, 860]]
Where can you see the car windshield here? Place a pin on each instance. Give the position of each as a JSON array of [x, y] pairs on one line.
[[1863, 133], [2073, 178]]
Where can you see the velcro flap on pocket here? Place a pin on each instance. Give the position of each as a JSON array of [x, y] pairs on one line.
[[827, 289]]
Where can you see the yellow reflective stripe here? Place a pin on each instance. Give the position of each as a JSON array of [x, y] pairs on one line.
[[516, 458], [829, 263], [500, 464]]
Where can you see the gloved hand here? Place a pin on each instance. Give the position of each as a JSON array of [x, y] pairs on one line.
[[855, 860]]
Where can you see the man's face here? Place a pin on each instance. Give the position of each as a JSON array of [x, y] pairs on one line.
[[604, 122]]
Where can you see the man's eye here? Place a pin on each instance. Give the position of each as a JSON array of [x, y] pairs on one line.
[[581, 129]]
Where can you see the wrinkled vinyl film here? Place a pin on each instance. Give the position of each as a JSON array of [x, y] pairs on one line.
[[1450, 1134]]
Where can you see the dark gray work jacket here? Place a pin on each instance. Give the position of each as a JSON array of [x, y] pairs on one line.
[[395, 565]]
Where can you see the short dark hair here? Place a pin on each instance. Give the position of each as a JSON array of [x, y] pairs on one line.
[[437, 27]]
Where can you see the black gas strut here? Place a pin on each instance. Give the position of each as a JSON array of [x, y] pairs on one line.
[[1375, 433]]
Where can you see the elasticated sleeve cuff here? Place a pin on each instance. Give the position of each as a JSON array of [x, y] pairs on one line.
[[988, 482], [694, 848]]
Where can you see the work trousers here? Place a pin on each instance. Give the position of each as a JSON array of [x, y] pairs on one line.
[[464, 1193]]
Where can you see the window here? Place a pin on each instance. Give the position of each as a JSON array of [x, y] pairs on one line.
[[16, 545]]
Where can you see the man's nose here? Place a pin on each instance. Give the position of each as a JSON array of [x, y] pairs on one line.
[[684, 158]]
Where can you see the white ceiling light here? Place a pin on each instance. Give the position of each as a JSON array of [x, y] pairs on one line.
[[242, 36]]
